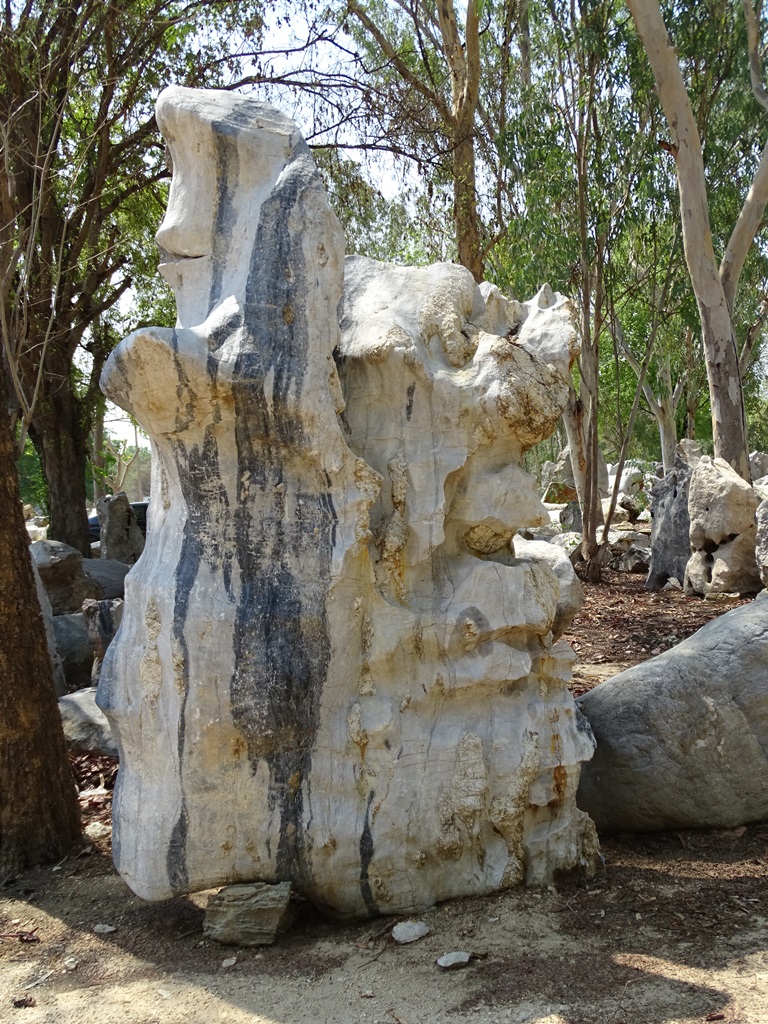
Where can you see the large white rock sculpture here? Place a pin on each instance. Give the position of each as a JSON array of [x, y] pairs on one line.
[[332, 668]]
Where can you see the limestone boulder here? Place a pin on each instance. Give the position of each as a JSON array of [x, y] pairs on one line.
[[59, 676], [761, 541], [670, 523], [249, 915], [332, 670], [102, 620], [85, 725], [108, 575], [570, 595], [721, 507], [61, 571], [75, 649], [682, 739], [558, 483], [121, 539], [758, 464]]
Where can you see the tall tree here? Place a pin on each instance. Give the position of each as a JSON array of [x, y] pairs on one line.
[[715, 286], [80, 193], [39, 814]]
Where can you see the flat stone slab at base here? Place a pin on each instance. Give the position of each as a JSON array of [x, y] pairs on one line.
[[249, 915]]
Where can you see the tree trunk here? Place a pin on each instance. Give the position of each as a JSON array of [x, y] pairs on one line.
[[721, 354], [667, 421], [97, 457], [465, 215], [39, 815], [61, 441]]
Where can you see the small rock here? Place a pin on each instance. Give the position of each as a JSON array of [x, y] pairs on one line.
[[409, 931], [70, 964], [249, 915], [453, 961], [96, 830], [104, 929], [229, 962]]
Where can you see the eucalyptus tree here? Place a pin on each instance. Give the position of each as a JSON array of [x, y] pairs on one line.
[[715, 286], [81, 191], [429, 84]]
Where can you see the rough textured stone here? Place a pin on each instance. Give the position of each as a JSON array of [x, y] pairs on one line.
[[121, 539], [758, 464], [102, 620], [61, 570], [558, 483], [570, 591], [249, 915], [85, 725], [722, 508], [761, 541], [570, 518], [635, 559], [332, 669], [670, 524], [682, 739], [59, 677], [75, 649], [108, 575]]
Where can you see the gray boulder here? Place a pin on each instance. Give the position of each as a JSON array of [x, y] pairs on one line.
[[758, 464], [61, 570], [682, 739], [59, 677], [121, 538], [721, 507], [102, 620], [108, 575], [75, 649], [85, 725], [670, 524], [761, 541]]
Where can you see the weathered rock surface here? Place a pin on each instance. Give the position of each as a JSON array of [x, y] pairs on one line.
[[761, 540], [85, 724], [61, 570], [558, 483], [75, 650], [570, 595], [121, 538], [722, 509], [758, 464], [332, 670], [108, 575], [59, 677], [102, 620], [670, 522], [249, 915], [682, 739]]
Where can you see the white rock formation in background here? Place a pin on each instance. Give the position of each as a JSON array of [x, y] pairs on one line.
[[333, 669], [722, 508]]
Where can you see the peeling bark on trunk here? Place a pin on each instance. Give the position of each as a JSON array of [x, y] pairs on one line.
[[721, 354], [39, 815]]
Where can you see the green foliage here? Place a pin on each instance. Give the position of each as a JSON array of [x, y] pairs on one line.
[[34, 490]]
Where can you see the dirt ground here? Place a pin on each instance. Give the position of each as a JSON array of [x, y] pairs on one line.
[[674, 931]]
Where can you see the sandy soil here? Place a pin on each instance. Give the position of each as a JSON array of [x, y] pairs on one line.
[[674, 931]]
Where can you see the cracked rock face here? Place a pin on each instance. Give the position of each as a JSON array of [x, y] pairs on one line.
[[722, 508], [333, 668]]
